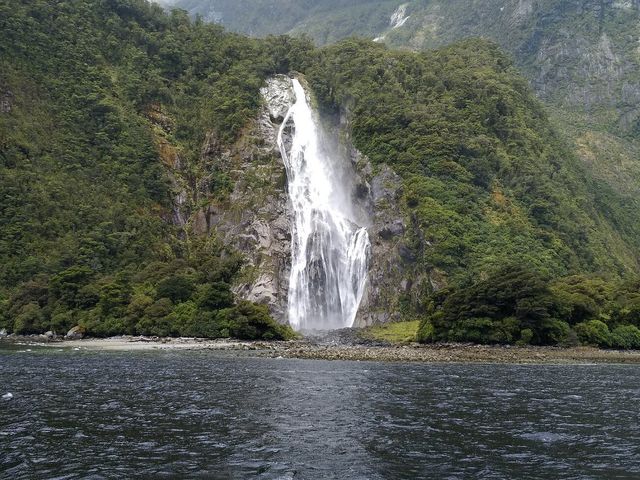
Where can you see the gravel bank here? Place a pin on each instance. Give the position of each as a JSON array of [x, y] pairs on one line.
[[336, 349]]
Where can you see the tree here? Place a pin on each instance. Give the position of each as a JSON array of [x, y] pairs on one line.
[[177, 288]]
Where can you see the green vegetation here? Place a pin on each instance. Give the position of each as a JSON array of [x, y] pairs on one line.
[[487, 180], [397, 332], [580, 57], [105, 106], [492, 194], [93, 91], [519, 305]]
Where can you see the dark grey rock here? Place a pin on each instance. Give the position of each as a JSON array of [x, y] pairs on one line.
[[391, 229]]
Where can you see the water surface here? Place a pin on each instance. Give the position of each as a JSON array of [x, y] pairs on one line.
[[78, 414]]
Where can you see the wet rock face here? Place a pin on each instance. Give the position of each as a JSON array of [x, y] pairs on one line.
[[394, 276], [386, 271], [255, 219]]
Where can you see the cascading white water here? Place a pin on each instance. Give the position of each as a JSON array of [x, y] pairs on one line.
[[398, 18], [330, 251]]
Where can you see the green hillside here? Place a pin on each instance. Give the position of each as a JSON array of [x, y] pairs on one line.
[[86, 235], [326, 21], [495, 197], [105, 108], [487, 178]]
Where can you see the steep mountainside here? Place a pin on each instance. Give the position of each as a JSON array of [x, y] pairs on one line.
[[581, 56], [486, 180], [141, 190], [106, 107], [326, 21]]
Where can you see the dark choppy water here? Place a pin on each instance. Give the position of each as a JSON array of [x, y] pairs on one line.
[[207, 415]]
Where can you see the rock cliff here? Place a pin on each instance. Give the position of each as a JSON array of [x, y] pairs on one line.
[[395, 279], [255, 218]]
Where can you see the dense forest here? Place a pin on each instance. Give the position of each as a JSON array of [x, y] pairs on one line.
[[85, 230], [534, 248], [495, 197]]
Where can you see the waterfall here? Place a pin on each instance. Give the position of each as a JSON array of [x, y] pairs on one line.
[[329, 251], [399, 17]]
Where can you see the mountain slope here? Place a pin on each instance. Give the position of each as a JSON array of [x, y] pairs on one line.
[[265, 17], [119, 125], [581, 56], [487, 178], [105, 109]]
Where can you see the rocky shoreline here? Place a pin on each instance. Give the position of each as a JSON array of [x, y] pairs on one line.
[[336, 350]]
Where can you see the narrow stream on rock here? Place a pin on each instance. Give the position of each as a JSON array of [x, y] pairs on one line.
[[329, 249]]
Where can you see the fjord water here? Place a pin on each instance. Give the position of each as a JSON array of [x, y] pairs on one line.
[[329, 249], [79, 414]]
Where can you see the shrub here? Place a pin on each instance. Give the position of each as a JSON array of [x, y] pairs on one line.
[[4, 320], [62, 322], [525, 336], [107, 327], [114, 298], [485, 330], [29, 320], [155, 320], [248, 321], [137, 305], [476, 330], [626, 337], [183, 317], [493, 309], [215, 296], [554, 332], [593, 332], [580, 298], [206, 324], [426, 333], [176, 288], [67, 285]]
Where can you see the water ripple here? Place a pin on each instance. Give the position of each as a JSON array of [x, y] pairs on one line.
[[205, 415]]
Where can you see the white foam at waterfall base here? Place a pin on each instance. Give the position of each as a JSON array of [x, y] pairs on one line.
[[329, 250]]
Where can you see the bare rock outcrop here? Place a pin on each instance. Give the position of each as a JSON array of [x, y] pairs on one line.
[[255, 218], [386, 234]]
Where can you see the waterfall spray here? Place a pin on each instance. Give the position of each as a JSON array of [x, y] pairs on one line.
[[329, 250]]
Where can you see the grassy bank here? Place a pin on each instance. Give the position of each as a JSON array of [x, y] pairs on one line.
[[397, 332]]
